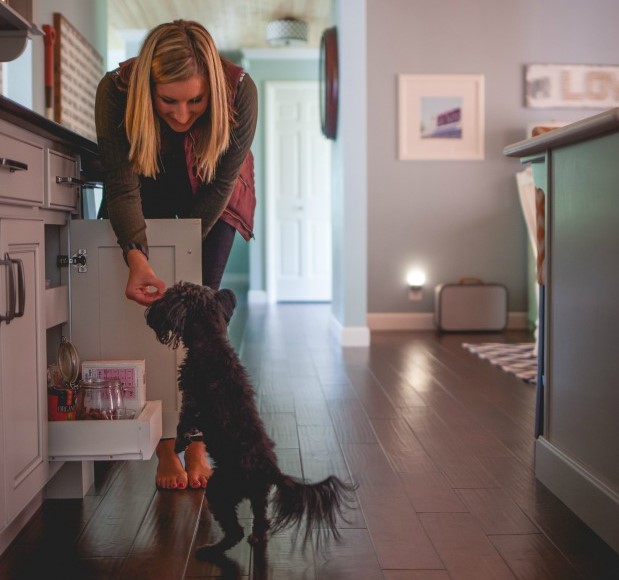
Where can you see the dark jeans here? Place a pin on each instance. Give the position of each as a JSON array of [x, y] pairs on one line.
[[216, 249]]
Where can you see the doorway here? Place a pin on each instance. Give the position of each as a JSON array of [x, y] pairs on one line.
[[298, 195]]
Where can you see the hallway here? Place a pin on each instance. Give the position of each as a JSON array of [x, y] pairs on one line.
[[439, 442]]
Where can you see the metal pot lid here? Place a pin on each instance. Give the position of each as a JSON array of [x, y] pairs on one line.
[[68, 361]]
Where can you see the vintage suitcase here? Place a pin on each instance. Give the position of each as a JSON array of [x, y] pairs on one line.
[[470, 305]]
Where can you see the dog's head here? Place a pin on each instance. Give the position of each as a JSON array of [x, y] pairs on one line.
[[187, 311]]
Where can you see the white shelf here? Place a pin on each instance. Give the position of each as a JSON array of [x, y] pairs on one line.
[[106, 440], [56, 306]]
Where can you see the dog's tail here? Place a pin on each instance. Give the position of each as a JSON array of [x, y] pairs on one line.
[[309, 506]]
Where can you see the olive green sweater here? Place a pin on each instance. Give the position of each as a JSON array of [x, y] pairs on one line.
[[122, 186]]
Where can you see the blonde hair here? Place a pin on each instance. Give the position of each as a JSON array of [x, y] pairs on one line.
[[174, 52]]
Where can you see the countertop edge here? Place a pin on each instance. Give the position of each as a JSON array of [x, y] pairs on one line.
[[23, 117], [605, 122]]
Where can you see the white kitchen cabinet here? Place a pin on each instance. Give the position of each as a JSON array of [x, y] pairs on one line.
[[63, 181], [21, 166], [105, 325], [23, 410], [577, 451], [41, 163]]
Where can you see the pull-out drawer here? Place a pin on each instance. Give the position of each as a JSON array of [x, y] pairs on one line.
[[106, 440], [21, 170], [63, 184]]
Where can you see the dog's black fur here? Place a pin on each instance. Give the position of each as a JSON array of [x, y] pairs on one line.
[[219, 401]]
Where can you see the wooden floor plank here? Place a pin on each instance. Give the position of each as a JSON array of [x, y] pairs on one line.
[[532, 556], [453, 457], [353, 558], [171, 520], [397, 535], [282, 428], [112, 530], [350, 422], [496, 512], [424, 484], [415, 575], [283, 560], [376, 403], [467, 552]]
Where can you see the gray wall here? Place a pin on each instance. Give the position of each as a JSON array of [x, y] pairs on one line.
[[462, 218], [349, 163]]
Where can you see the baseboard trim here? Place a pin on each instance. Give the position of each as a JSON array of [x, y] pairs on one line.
[[591, 500], [401, 320], [425, 321], [518, 321], [19, 523], [350, 336]]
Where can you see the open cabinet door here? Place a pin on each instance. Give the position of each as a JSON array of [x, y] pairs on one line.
[[106, 326]]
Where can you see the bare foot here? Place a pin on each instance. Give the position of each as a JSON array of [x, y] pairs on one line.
[[170, 472], [197, 465]]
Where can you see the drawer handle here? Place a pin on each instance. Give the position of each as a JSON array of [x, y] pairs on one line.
[[70, 181], [10, 313], [13, 165]]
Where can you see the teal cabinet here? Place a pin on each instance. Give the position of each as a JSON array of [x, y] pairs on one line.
[[577, 454]]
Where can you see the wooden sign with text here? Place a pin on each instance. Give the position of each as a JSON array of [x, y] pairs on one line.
[[571, 86], [78, 68]]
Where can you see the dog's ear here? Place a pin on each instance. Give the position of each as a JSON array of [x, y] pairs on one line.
[[227, 299], [167, 316]]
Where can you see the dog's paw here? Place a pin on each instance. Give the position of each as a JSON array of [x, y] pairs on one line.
[[257, 540], [209, 552]]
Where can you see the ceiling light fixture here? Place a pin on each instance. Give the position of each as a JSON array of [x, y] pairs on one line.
[[286, 32]]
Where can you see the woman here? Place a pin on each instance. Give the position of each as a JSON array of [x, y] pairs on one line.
[[174, 126]]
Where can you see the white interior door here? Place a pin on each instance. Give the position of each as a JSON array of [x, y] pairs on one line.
[[298, 176]]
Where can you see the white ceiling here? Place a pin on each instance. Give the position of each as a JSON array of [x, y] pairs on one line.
[[234, 24]]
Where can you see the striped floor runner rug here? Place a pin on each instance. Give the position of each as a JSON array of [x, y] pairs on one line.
[[519, 359]]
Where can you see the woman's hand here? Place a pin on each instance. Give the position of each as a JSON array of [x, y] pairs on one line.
[[143, 285]]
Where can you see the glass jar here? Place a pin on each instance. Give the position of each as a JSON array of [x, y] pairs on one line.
[[100, 399]]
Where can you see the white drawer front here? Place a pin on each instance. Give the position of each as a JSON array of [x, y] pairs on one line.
[[106, 440], [21, 171], [61, 192]]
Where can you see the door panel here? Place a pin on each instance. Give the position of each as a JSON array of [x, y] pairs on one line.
[[22, 378], [298, 195]]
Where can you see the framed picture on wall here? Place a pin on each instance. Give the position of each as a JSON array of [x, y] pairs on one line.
[[440, 117]]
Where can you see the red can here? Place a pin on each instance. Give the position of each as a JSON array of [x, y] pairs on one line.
[[60, 404]]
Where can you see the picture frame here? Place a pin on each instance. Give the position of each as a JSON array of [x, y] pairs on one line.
[[441, 117], [571, 86]]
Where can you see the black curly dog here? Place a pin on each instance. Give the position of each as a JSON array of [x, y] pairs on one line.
[[219, 401]]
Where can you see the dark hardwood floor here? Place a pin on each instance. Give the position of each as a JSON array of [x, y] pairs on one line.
[[439, 441]]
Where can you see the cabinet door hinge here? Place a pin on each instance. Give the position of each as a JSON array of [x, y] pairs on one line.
[[79, 260]]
